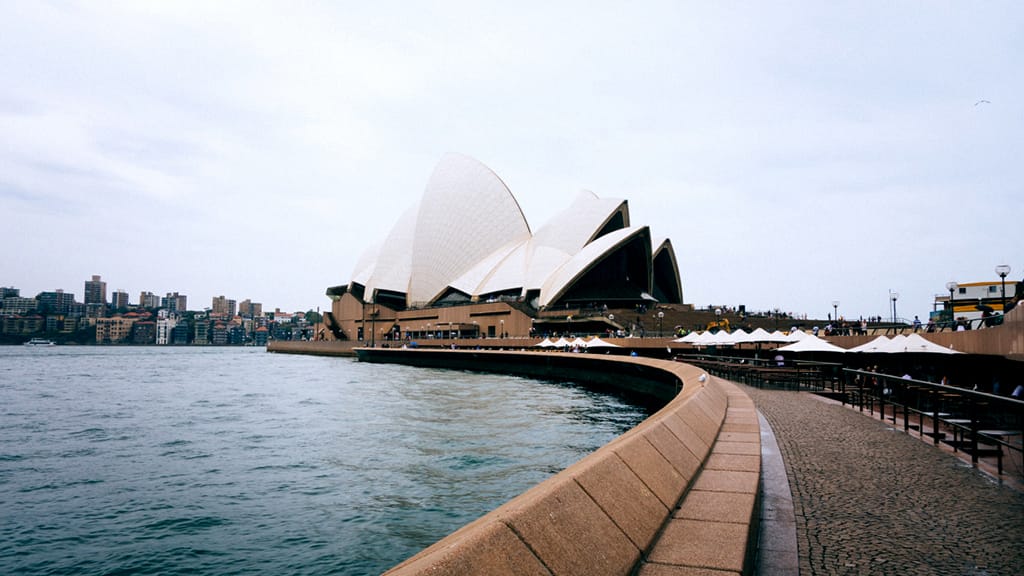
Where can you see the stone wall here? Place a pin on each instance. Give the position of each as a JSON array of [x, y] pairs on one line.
[[679, 491]]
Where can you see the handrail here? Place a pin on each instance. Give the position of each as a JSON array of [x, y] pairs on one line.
[[974, 419], [965, 413]]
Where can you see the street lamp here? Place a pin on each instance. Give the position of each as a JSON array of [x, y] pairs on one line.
[[835, 311], [894, 296], [951, 286], [502, 328], [1003, 270], [661, 316]]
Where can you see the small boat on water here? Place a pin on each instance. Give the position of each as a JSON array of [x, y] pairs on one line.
[[41, 342]]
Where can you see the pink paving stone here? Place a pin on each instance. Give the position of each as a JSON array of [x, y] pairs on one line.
[[621, 494], [740, 462], [491, 549], [748, 448], [717, 507], [717, 545], [688, 436], [674, 451], [668, 570], [739, 437], [570, 534], [727, 481], [653, 469]]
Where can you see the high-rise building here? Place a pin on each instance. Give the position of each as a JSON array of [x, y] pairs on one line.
[[95, 291], [56, 302], [17, 305], [174, 302], [250, 309], [222, 306], [119, 300], [148, 300]]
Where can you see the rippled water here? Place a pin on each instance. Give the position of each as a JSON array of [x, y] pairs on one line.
[[193, 460]]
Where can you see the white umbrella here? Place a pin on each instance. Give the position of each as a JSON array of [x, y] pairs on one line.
[[562, 343], [706, 338], [740, 336], [895, 344], [916, 343], [723, 338], [778, 336], [811, 343], [545, 343], [596, 342], [797, 335], [580, 342], [689, 338], [760, 335], [879, 344]]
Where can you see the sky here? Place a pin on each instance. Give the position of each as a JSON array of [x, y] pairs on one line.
[[796, 153]]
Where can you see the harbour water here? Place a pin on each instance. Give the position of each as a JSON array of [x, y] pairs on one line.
[[192, 460]]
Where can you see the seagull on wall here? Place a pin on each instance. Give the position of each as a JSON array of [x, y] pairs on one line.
[[982, 102]]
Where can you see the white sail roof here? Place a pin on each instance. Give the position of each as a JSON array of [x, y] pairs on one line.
[[467, 234]]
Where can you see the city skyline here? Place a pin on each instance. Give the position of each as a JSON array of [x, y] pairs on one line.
[[134, 298], [796, 155]]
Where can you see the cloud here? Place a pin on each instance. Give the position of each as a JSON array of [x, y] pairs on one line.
[[795, 153]]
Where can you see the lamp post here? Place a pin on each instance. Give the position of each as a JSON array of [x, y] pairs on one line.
[[1003, 270], [835, 311], [894, 296], [502, 328], [951, 286], [661, 316]]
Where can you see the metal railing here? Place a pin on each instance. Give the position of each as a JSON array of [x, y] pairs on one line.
[[980, 424], [977, 423]]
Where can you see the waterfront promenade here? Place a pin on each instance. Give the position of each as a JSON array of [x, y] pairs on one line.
[[869, 499]]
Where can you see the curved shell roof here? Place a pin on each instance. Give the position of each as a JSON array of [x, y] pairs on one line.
[[466, 214], [469, 234]]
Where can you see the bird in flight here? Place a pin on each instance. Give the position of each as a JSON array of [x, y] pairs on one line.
[[982, 102]]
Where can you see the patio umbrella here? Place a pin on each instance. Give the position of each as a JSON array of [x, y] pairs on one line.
[[917, 343], [689, 338], [596, 342], [879, 344], [811, 343]]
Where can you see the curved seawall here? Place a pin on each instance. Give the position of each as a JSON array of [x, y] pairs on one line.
[[677, 492]]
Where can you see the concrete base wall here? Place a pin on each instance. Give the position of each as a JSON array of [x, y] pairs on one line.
[[677, 492]]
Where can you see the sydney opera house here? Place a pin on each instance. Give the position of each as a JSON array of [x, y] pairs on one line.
[[464, 263]]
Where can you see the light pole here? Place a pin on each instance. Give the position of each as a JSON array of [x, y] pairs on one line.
[[951, 286], [502, 328], [894, 296], [835, 311], [661, 316], [1003, 270]]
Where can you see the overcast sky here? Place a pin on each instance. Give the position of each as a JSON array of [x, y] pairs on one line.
[[796, 153]]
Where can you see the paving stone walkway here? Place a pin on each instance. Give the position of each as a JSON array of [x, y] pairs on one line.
[[872, 500]]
